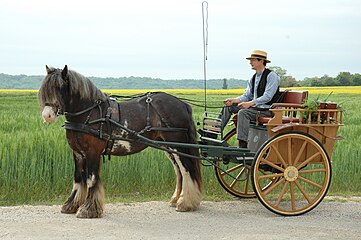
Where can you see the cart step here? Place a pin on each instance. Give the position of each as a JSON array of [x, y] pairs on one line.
[[212, 141], [208, 133]]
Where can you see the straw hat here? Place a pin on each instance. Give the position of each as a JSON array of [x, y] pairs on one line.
[[259, 54]]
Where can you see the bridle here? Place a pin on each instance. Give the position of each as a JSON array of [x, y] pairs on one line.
[[60, 111]]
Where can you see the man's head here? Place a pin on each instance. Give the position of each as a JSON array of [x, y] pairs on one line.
[[258, 59]]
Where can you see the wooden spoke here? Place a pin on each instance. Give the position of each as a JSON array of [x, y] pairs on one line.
[[262, 171], [312, 170], [282, 194], [289, 151], [308, 160], [279, 155], [270, 176], [268, 190], [273, 165], [232, 169], [237, 178], [292, 191], [300, 153], [310, 182], [302, 191]]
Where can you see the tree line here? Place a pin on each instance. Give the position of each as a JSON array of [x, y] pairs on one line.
[[34, 82], [342, 79]]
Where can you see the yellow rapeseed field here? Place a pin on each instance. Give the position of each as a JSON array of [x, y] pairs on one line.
[[312, 90]]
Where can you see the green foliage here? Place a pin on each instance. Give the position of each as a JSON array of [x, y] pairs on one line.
[[34, 82], [286, 81], [225, 85], [342, 79]]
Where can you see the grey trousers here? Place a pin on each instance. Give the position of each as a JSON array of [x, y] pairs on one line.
[[245, 116]]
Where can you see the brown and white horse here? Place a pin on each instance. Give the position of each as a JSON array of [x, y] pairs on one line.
[[66, 91]]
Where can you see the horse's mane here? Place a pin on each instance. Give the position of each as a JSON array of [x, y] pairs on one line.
[[78, 85]]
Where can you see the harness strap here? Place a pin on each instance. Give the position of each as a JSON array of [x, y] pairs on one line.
[[97, 103], [149, 127]]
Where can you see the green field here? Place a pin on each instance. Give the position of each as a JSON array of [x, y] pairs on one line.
[[36, 163]]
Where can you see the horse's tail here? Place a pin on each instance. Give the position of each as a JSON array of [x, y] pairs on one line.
[[192, 137]]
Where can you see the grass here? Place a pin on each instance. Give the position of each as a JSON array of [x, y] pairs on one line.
[[36, 164]]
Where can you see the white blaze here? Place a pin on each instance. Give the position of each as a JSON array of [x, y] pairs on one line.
[[48, 115]]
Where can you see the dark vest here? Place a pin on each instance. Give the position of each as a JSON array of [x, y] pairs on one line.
[[262, 87]]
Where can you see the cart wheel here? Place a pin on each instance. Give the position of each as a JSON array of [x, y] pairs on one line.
[[236, 178], [303, 168]]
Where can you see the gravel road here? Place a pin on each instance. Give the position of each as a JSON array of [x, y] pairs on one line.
[[245, 219]]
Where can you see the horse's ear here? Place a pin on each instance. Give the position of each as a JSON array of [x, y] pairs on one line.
[[47, 69], [64, 73]]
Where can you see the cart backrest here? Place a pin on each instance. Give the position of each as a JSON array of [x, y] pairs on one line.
[[298, 97]]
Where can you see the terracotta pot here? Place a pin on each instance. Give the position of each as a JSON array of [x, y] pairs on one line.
[[331, 105], [322, 105]]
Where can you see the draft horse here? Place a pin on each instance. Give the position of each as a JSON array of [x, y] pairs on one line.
[[67, 92]]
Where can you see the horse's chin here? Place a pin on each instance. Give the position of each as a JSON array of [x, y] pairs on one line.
[[50, 121]]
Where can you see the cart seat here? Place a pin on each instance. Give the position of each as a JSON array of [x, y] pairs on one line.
[[291, 100]]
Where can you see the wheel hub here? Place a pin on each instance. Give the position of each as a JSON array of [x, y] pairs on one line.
[[291, 173]]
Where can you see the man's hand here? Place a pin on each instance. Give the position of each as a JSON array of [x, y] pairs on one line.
[[230, 101], [246, 105]]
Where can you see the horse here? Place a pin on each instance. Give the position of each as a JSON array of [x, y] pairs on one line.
[[66, 92]]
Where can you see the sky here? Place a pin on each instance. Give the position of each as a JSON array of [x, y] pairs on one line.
[[164, 38]]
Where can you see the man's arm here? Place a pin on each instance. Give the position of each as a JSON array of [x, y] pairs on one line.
[[247, 95], [273, 82]]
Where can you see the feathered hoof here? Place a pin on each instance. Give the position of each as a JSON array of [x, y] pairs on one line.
[[84, 212], [69, 208], [184, 206]]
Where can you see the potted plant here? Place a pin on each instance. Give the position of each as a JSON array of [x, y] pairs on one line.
[[313, 105]]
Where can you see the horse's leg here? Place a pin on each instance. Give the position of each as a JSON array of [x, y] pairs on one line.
[[178, 188], [93, 206], [79, 192], [190, 196]]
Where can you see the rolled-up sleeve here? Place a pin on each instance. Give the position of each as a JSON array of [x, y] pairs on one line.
[[273, 82]]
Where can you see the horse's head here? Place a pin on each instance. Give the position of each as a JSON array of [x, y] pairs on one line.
[[64, 90], [52, 93]]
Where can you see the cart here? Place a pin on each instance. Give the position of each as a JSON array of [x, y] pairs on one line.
[[288, 167]]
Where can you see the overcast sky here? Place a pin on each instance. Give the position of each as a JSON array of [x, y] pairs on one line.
[[163, 38]]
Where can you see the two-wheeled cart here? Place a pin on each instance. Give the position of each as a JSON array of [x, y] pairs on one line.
[[288, 166]]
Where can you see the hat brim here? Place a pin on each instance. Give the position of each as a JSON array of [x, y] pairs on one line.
[[266, 60]]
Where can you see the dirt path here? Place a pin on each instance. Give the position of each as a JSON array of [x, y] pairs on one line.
[[246, 219]]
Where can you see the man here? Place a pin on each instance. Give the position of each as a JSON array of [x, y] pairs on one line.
[[262, 90]]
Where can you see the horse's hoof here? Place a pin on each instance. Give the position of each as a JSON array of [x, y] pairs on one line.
[[181, 207], [186, 206], [86, 213], [69, 209]]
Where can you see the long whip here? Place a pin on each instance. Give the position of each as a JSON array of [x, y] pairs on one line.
[[205, 45]]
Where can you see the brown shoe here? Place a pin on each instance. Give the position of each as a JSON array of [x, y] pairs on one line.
[[242, 144]]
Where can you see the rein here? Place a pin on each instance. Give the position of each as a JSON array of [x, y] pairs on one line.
[[97, 104]]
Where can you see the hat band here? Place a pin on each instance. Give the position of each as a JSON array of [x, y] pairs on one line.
[[258, 56]]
